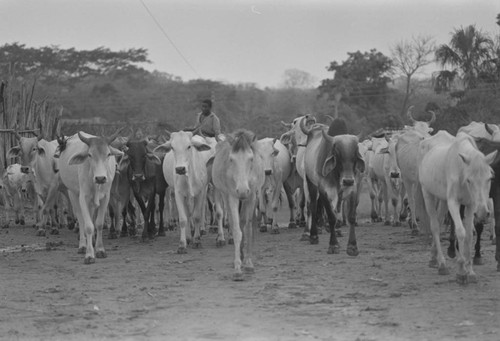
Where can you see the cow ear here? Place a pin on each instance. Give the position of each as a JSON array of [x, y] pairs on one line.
[[490, 158], [163, 148], [78, 158], [464, 158], [329, 165], [115, 152], [286, 138], [384, 150], [14, 152], [41, 151], [153, 159]]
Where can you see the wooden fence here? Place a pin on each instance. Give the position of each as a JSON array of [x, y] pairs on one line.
[[19, 111]]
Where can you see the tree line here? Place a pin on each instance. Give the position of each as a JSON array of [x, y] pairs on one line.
[[369, 89]]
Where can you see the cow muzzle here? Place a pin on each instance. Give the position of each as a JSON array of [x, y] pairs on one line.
[[25, 169], [268, 172], [100, 180], [482, 214], [180, 170], [243, 193], [395, 175], [347, 182], [138, 177]]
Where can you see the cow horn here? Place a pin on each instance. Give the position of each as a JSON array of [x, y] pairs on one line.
[[330, 117], [83, 138], [16, 134], [409, 114], [286, 125], [302, 125], [488, 129], [433, 118], [168, 134]]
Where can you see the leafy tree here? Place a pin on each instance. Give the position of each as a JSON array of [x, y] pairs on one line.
[[294, 78], [467, 52], [410, 56], [362, 81]]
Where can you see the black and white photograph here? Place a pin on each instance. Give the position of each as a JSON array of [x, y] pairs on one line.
[[239, 170]]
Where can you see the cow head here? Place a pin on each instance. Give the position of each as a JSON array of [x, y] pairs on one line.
[[97, 154], [343, 160], [26, 151], [267, 152], [421, 126], [142, 163], [242, 158], [183, 144]]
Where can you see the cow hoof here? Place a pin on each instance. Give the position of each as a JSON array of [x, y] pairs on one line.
[[196, 244], [263, 228], [387, 223], [472, 278], [132, 232], [230, 241], [478, 261], [182, 250], [89, 260], [112, 235], [249, 270], [82, 250], [21, 221], [451, 252], [71, 225], [275, 231], [313, 240], [338, 233], [415, 232], [101, 254], [304, 238], [333, 250], [352, 250], [292, 225], [54, 231], [17, 221], [203, 232], [220, 243], [443, 270], [237, 277], [462, 279], [40, 233], [433, 263]]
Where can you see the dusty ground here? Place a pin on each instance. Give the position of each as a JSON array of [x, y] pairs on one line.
[[145, 291]]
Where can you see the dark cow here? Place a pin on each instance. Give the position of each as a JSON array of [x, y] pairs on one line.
[[331, 165], [146, 178]]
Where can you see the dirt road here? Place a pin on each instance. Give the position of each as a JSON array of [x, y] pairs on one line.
[[146, 291]]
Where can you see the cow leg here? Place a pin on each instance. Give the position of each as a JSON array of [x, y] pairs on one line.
[[161, 208], [453, 240], [275, 206], [99, 223], [351, 205], [198, 216], [478, 260], [437, 257], [219, 213], [247, 220], [291, 205], [183, 224], [464, 238], [86, 228], [112, 230], [232, 205], [495, 195], [149, 218], [312, 213]]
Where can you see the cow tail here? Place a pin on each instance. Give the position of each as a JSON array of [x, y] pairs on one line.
[[421, 212]]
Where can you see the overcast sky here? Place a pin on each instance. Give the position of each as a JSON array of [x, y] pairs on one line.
[[239, 40]]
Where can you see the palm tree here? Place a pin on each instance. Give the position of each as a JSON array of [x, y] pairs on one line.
[[468, 50]]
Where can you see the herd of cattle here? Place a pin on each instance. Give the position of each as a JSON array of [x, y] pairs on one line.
[[241, 179]]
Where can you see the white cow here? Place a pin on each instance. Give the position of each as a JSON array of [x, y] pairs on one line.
[[238, 175], [184, 169], [453, 174], [277, 168], [37, 156], [87, 168], [14, 186]]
